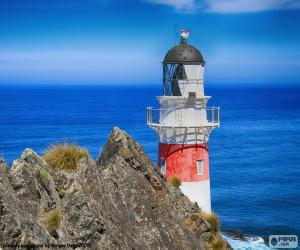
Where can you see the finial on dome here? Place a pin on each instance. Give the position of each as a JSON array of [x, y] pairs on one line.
[[184, 34]]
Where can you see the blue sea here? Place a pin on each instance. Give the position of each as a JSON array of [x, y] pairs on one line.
[[254, 155]]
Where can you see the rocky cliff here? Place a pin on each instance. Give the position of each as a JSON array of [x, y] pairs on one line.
[[117, 202]]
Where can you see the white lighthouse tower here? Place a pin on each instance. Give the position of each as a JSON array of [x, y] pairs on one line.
[[183, 122]]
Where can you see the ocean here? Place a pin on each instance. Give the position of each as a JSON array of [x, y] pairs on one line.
[[254, 155]]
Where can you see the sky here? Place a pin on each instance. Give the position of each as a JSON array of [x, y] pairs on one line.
[[124, 42]]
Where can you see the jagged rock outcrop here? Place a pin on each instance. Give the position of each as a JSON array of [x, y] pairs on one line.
[[118, 202]]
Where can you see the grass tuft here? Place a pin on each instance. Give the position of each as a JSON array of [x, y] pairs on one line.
[[43, 175], [218, 244], [175, 182], [61, 193], [65, 156], [53, 219], [214, 222]]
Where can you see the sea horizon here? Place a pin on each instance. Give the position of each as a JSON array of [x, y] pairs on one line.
[[157, 84]]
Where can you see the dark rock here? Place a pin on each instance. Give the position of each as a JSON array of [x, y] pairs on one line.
[[119, 202]]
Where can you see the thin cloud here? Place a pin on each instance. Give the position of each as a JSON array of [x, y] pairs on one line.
[[228, 6], [179, 5], [244, 6]]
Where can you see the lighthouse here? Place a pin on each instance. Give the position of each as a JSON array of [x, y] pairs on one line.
[[183, 122]]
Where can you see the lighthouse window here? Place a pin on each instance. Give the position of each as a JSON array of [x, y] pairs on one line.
[[163, 164], [200, 165]]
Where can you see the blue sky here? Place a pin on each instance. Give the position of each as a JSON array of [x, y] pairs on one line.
[[113, 41]]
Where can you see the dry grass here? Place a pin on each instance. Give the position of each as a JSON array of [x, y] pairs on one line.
[[214, 222], [218, 244], [188, 222], [175, 182], [52, 219], [65, 156]]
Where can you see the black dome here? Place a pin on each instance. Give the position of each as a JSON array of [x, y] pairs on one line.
[[184, 53]]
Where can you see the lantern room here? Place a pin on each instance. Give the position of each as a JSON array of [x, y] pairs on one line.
[[183, 70]]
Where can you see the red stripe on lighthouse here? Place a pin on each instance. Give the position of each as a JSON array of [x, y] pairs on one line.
[[181, 161]]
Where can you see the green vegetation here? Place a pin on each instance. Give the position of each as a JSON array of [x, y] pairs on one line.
[[43, 175], [218, 244], [53, 219], [65, 156], [175, 182], [214, 222], [61, 193]]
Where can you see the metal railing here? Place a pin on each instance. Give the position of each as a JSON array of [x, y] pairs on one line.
[[181, 118]]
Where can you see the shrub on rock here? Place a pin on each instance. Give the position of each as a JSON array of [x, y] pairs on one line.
[[42, 175], [52, 219], [61, 193], [65, 156], [218, 244], [175, 182], [214, 222]]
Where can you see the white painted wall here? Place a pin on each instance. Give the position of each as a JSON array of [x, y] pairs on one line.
[[194, 82], [190, 115], [182, 111], [198, 192], [184, 135]]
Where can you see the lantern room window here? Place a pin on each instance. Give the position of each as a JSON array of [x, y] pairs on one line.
[[200, 167]]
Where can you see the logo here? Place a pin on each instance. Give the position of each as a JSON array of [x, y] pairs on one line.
[[283, 241], [274, 242]]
